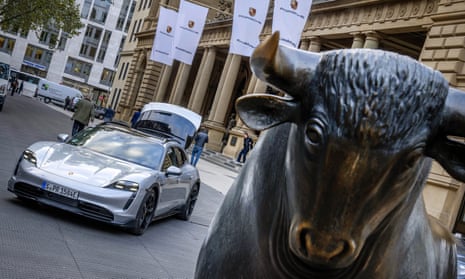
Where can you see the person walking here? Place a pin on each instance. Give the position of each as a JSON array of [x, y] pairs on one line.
[[82, 114], [109, 114], [67, 102], [20, 89], [14, 86], [135, 117], [248, 144], [200, 140]]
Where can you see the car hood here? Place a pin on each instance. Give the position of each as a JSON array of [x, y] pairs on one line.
[[169, 120], [84, 165]]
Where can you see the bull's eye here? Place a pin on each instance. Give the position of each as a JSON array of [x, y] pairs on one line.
[[313, 136], [314, 132]]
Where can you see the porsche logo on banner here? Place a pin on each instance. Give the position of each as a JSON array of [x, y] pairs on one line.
[[189, 28], [249, 18], [163, 44], [289, 18]]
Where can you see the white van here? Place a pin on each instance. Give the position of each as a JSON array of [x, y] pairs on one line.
[[55, 92]]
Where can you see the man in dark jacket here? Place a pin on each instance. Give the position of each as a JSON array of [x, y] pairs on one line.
[[200, 140], [83, 113]]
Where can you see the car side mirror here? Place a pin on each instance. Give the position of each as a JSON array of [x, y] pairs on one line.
[[62, 137], [173, 170]]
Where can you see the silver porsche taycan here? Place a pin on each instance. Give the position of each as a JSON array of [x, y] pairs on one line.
[[116, 174]]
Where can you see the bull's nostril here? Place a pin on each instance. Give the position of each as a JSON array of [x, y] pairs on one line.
[[323, 247]]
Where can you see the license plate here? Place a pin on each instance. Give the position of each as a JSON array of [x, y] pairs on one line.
[[60, 190]]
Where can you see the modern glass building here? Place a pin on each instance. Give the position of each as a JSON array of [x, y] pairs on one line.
[[87, 61]]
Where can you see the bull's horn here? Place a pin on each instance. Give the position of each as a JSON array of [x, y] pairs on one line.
[[282, 66], [454, 114]]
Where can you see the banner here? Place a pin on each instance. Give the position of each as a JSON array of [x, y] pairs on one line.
[[164, 37], [289, 17], [189, 28], [248, 20]]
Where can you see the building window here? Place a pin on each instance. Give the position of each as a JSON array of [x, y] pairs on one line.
[[86, 8], [7, 44], [122, 14], [135, 29], [78, 68], [107, 77], [63, 39], [125, 70], [100, 11], [90, 42], [121, 71], [131, 12], [49, 37], [104, 46], [37, 57]]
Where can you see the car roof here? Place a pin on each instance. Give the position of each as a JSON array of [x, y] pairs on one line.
[[171, 120], [193, 117], [124, 127]]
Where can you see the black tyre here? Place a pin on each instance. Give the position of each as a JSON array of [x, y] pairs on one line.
[[188, 208], [47, 100], [1, 107], [145, 213]]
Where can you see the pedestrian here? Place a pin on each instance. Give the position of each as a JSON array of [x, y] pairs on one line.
[[67, 102], [109, 114], [20, 89], [82, 114], [231, 124], [14, 86], [135, 117], [199, 141], [248, 144]]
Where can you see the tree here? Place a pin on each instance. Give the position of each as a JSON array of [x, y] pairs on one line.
[[38, 15]]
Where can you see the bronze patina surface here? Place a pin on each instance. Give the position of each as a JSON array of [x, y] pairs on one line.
[[333, 188]]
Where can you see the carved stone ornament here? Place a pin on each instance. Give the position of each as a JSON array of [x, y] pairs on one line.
[[333, 186]]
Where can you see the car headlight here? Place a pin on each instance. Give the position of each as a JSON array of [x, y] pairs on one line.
[[125, 185], [30, 156]]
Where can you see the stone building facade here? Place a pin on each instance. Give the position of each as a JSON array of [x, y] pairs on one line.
[[431, 31]]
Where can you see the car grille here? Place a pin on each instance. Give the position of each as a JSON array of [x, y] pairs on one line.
[[88, 209], [96, 211]]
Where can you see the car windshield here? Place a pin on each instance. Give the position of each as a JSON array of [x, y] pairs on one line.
[[120, 144], [167, 123]]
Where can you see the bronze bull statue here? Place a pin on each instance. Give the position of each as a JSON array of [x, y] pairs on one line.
[[333, 189]]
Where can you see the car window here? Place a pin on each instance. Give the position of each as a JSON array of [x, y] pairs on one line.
[[180, 157], [122, 145], [167, 162]]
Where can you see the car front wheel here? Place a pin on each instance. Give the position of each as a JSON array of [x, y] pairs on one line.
[[145, 213], [188, 208]]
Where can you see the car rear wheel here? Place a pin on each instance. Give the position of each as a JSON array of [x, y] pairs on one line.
[[145, 213], [47, 100], [188, 208], [1, 107]]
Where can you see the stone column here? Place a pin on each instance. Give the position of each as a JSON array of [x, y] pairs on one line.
[[315, 44], [223, 96], [180, 84], [224, 75], [227, 89], [304, 44], [372, 40], [252, 83], [358, 41], [202, 79], [163, 84]]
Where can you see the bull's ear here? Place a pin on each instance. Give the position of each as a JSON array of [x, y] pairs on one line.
[[262, 111], [451, 155], [448, 152]]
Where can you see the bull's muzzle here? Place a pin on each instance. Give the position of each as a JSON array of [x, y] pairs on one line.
[[321, 248]]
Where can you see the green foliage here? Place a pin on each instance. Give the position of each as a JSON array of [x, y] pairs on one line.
[[39, 14]]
